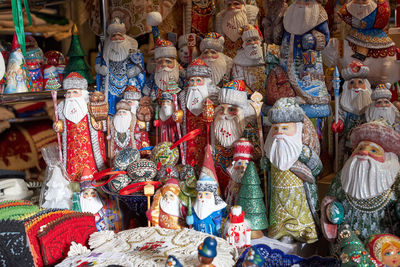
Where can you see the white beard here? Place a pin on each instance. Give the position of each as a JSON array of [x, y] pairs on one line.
[[204, 207], [353, 102], [233, 127], [171, 207], [285, 152], [163, 76], [195, 98], [122, 123], [166, 112], [253, 51], [75, 109], [376, 113], [218, 67], [299, 19], [118, 50], [232, 21], [91, 204], [369, 178], [236, 174]]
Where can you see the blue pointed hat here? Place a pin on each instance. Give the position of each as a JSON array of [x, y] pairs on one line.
[[208, 248]]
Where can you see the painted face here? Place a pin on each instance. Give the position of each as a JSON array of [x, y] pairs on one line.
[[241, 164], [382, 103], [122, 112], [228, 110], [89, 193], [117, 37], [391, 256], [209, 53], [253, 40], [361, 2], [169, 196], [373, 150], [196, 81], [288, 129], [356, 84], [234, 5], [204, 195], [165, 62], [73, 93]]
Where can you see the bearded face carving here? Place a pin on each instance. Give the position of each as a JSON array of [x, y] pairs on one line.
[[166, 69], [217, 61], [356, 96], [229, 124]]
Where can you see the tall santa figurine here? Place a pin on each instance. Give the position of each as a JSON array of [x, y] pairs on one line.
[[199, 88], [120, 63], [83, 146], [229, 21]]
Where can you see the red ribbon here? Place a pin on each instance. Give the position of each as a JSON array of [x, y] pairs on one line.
[[187, 137], [132, 188], [98, 175]]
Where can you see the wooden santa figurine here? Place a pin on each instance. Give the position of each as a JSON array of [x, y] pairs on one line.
[[238, 233]]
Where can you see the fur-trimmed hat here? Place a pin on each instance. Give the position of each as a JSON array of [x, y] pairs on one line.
[[171, 185], [243, 150], [233, 93], [212, 40], [381, 91], [131, 92], [198, 68], [206, 184], [355, 70], [166, 96], [116, 26], [75, 81], [286, 110], [123, 105], [377, 132], [164, 48], [250, 31]]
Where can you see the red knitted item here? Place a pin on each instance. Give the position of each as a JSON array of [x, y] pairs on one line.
[[5, 204], [55, 240], [32, 228]]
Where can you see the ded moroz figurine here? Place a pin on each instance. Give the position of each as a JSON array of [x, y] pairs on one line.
[[166, 209], [364, 194], [120, 63], [237, 231], [208, 209], [292, 147], [381, 107], [207, 251], [306, 34], [183, 50], [249, 63], [229, 21], [273, 21], [83, 146]]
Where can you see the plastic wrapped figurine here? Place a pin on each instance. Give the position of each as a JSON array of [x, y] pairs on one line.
[[292, 147], [166, 123], [212, 47], [381, 107], [354, 100], [253, 258], [17, 74], [306, 35], [119, 64], [200, 87], [273, 21], [364, 193], [385, 249], [208, 209], [207, 251], [34, 60], [243, 153], [249, 63], [231, 118], [83, 146], [237, 231], [229, 21], [166, 209]]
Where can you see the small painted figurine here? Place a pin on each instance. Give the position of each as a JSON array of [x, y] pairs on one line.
[[253, 258], [212, 47], [381, 107], [167, 125], [292, 147], [207, 251], [242, 153], [199, 88], [83, 146], [183, 51], [199, 16], [229, 21], [98, 110], [35, 61], [173, 262], [166, 209], [50, 79], [237, 232], [306, 35], [385, 249], [353, 101], [119, 64], [249, 63], [364, 193], [208, 209], [56, 59]]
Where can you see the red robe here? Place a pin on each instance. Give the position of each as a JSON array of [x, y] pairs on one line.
[[195, 147]]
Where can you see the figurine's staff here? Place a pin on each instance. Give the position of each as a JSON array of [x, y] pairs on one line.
[[257, 103], [54, 96], [336, 85], [208, 116], [178, 118]]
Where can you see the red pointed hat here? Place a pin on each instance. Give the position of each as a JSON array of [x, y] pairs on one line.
[[15, 43], [75, 81], [243, 150], [208, 166]]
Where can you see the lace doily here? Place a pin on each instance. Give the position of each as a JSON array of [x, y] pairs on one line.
[[150, 246]]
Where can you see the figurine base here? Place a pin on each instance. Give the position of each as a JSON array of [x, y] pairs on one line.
[[300, 249], [256, 234]]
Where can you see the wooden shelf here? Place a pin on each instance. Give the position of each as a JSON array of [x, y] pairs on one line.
[[29, 97]]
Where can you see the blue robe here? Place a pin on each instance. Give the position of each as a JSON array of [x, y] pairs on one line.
[[211, 224]]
